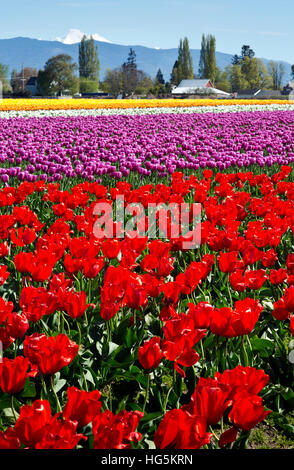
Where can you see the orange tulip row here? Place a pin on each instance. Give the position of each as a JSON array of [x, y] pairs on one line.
[[67, 104]]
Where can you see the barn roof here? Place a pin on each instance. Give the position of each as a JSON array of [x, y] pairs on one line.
[[195, 90], [198, 83]]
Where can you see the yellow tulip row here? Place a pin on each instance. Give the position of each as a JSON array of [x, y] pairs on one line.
[[67, 104]]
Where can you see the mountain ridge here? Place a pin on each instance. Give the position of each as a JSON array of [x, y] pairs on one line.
[[29, 52]]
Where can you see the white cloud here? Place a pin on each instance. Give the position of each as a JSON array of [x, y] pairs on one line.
[[75, 35]]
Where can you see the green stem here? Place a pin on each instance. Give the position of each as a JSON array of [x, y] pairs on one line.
[[44, 327], [229, 290], [248, 341], [214, 435], [109, 329], [89, 291], [166, 400], [44, 387], [202, 349], [208, 292], [65, 321], [80, 333], [13, 409], [147, 392], [246, 361], [55, 394], [84, 379]]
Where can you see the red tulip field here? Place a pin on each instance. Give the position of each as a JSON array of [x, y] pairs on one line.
[[114, 339]]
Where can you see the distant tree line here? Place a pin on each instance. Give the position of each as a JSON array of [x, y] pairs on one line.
[[249, 73], [59, 75]]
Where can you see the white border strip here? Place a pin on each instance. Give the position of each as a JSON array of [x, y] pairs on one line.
[[145, 111]]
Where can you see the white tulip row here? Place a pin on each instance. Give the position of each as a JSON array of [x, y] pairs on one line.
[[142, 111]]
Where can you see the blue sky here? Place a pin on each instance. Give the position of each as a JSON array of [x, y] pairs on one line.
[[266, 25]]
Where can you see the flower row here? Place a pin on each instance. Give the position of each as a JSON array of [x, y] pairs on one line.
[[138, 111], [115, 342], [234, 393], [36, 104], [118, 146]]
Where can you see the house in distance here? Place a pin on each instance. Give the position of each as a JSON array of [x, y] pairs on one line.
[[32, 86], [202, 87]]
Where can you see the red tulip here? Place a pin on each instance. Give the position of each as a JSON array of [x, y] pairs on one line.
[[278, 277], [60, 435], [82, 406], [241, 321], [13, 374], [241, 378], [50, 354], [23, 262], [227, 261], [73, 303], [4, 249], [37, 302], [92, 267], [247, 411], [201, 314], [255, 279], [150, 354], [30, 426], [17, 325], [110, 248], [4, 274], [116, 431], [9, 439], [180, 430], [210, 400]]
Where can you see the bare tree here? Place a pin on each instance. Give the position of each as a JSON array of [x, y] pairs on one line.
[[277, 72]]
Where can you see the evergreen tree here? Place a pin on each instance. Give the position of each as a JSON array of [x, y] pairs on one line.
[[236, 60], [203, 57], [159, 80], [180, 61], [187, 61], [183, 66], [207, 63], [174, 74], [93, 61], [211, 62], [83, 57], [292, 72], [131, 60], [89, 64], [179, 73], [129, 74], [246, 51]]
